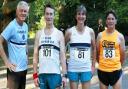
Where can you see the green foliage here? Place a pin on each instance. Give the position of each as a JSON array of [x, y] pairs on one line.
[[35, 14], [65, 12], [121, 8], [37, 11], [1, 3]]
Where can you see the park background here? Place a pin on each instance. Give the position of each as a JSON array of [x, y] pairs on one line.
[[64, 18]]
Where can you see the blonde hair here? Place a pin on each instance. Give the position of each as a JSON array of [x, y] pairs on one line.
[[23, 4]]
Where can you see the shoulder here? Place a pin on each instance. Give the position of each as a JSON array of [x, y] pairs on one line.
[[10, 27], [38, 33], [120, 36], [70, 30], [59, 32], [120, 39], [11, 24], [91, 31], [99, 35], [25, 24], [89, 28], [13, 21]]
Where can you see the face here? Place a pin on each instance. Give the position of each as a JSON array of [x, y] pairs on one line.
[[21, 13], [111, 21], [49, 15], [100, 21], [80, 17]]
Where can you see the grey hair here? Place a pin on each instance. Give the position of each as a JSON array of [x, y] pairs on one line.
[[81, 8], [23, 4]]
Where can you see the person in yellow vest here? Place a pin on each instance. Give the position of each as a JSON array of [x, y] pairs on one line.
[[110, 54]]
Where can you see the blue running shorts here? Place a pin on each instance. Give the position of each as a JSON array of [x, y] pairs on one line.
[[49, 81], [80, 76]]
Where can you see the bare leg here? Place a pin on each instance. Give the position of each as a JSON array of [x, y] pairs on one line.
[[58, 88], [118, 84], [73, 85], [102, 86], [86, 85]]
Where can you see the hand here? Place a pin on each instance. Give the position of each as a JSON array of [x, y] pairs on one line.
[[64, 81], [36, 82], [10, 66]]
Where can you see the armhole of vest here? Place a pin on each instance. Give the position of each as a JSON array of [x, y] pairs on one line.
[[55, 34], [73, 31]]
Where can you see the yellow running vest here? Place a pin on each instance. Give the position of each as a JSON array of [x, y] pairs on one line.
[[109, 56]]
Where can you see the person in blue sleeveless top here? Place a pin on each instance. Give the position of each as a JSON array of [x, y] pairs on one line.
[[81, 39], [16, 35], [49, 49]]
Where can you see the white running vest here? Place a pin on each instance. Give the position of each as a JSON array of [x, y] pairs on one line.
[[49, 53], [80, 51]]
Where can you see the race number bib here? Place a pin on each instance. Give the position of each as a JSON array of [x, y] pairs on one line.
[[81, 53], [108, 53], [47, 52]]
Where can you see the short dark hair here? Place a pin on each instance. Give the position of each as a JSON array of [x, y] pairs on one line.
[[111, 12], [48, 5]]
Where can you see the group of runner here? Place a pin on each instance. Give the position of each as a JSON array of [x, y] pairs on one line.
[[49, 52]]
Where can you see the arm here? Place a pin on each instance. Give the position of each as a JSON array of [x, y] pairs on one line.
[[35, 54], [67, 37], [62, 54], [2, 51], [93, 50], [63, 58], [122, 48], [5, 36], [35, 59], [4, 57], [97, 47], [27, 51]]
